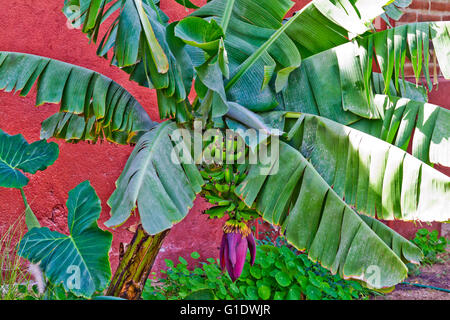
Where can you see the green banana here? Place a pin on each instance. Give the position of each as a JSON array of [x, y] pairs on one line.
[[216, 212], [219, 177], [231, 207], [216, 200], [222, 187], [228, 173]]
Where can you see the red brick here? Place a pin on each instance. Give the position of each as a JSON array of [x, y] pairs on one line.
[[409, 72], [409, 17], [440, 6], [428, 17], [420, 4]]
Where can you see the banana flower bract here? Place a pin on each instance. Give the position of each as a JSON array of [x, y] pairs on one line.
[[237, 238]]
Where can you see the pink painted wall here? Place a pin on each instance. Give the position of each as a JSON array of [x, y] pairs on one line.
[[39, 27]]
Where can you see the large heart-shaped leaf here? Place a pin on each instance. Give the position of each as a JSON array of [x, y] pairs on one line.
[[162, 189], [16, 155], [79, 261]]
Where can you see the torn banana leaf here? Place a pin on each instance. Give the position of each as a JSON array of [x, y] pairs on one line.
[[262, 48], [403, 120], [92, 106], [78, 261], [314, 217], [156, 182], [377, 178], [143, 45]]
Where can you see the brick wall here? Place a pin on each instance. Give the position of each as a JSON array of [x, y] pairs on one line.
[[426, 10]]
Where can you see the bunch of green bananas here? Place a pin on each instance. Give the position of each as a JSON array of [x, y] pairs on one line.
[[219, 190], [216, 151]]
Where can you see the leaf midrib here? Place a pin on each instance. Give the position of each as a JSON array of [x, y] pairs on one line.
[[149, 157]]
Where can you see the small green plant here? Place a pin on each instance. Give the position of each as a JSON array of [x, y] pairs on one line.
[[14, 281], [278, 273], [431, 245]]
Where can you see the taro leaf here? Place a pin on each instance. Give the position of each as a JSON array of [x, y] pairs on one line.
[[16, 155], [78, 261]]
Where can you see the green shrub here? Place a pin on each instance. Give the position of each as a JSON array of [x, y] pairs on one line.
[[278, 273], [431, 245]]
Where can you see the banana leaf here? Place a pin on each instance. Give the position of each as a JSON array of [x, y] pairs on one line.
[[403, 120], [144, 46], [259, 45], [314, 217], [156, 182], [377, 178], [92, 106]]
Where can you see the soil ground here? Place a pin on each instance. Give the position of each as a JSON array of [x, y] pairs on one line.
[[437, 275]]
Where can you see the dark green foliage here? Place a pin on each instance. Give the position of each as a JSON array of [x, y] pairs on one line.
[[278, 273], [431, 245]]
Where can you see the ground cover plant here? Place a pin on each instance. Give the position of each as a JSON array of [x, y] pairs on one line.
[[315, 139], [431, 245], [278, 273]]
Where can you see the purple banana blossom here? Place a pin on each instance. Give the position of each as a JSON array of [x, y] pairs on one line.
[[233, 251]]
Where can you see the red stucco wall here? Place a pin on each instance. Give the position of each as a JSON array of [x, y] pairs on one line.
[[39, 27]]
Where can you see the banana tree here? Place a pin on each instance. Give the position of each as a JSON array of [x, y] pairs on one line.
[[339, 130]]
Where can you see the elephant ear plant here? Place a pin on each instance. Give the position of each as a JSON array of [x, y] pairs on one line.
[[78, 261], [18, 157], [83, 255], [301, 88]]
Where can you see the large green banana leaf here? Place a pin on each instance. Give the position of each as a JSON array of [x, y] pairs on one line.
[[79, 261], [403, 120], [346, 101], [402, 247], [258, 44], [92, 105], [161, 189], [125, 31], [345, 72], [314, 217], [144, 46], [17, 157], [375, 177], [412, 40]]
